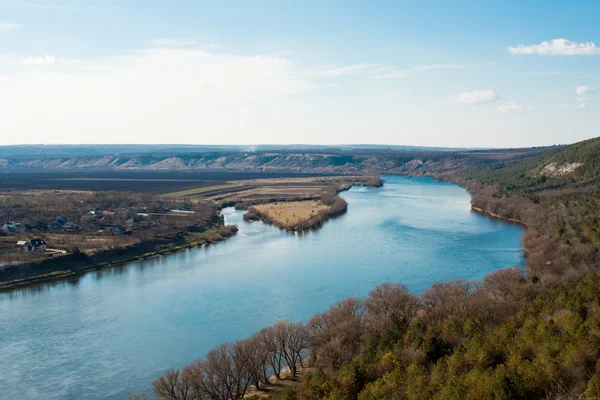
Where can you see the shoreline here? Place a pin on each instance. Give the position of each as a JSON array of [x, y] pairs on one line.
[[80, 264], [498, 217]]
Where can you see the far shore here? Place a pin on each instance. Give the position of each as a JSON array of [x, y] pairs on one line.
[[78, 264]]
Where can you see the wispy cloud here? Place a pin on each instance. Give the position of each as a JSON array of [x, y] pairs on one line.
[[513, 107], [44, 60], [366, 70], [579, 105], [581, 101], [474, 97], [436, 66], [8, 25], [557, 47], [48, 6], [146, 89], [175, 42], [583, 90], [380, 71], [389, 75], [353, 69]]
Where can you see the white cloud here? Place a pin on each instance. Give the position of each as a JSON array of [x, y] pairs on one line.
[[581, 102], [368, 70], [557, 47], [175, 42], [70, 62], [474, 97], [435, 66], [513, 107], [389, 75], [8, 25], [49, 6], [351, 69], [44, 60], [149, 95], [583, 90]]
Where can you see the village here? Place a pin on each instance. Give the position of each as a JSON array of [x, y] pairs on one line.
[[35, 226]]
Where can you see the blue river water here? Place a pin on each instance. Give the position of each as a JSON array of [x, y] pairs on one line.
[[109, 333]]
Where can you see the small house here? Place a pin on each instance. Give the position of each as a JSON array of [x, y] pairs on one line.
[[35, 245]]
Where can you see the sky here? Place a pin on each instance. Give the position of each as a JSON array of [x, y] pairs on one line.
[[427, 73]]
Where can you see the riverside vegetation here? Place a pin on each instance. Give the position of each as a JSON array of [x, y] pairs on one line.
[[532, 334]]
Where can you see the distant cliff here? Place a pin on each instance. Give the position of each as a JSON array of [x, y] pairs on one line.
[[351, 161]]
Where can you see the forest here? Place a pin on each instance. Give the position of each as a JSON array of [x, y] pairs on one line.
[[517, 334]]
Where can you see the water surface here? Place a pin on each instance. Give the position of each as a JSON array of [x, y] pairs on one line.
[[109, 333]]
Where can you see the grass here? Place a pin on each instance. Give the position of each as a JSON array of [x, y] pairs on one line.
[[290, 213], [201, 190]]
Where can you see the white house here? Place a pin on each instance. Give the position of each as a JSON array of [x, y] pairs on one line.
[[35, 245]]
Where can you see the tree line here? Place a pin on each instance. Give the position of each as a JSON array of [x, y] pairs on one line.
[[417, 326]]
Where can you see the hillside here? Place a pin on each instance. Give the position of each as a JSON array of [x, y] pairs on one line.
[[350, 161], [574, 166]]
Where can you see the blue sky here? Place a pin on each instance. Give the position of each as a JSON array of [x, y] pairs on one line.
[[437, 73]]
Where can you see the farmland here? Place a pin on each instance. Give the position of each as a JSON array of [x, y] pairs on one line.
[[154, 182]]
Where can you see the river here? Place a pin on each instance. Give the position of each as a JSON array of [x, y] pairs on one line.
[[109, 333]]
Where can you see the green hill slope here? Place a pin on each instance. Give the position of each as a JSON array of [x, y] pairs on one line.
[[576, 166]]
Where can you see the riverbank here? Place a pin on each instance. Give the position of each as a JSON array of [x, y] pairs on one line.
[[79, 263]]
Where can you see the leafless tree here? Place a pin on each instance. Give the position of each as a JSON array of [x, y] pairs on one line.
[[275, 354], [449, 298], [174, 385], [390, 306], [292, 340], [257, 360], [337, 333]]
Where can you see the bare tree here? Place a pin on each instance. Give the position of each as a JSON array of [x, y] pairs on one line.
[[292, 340], [174, 385], [275, 354], [337, 333], [391, 307], [448, 299], [257, 361], [223, 375]]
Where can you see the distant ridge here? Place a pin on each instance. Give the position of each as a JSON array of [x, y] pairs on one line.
[[131, 149], [347, 159]]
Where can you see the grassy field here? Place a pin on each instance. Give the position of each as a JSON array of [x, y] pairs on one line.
[[202, 190], [290, 213]]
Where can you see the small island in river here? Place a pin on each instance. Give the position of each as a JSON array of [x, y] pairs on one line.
[[307, 213]]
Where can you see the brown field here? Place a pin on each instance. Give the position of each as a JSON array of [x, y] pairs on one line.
[[253, 191], [291, 213]]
